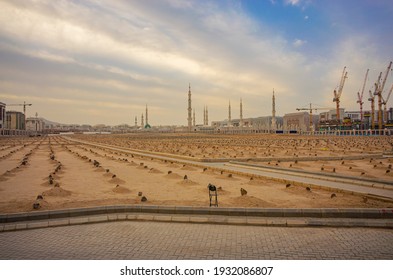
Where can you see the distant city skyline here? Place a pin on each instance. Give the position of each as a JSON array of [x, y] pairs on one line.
[[101, 62]]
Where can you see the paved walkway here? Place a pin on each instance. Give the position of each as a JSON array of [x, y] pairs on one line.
[[356, 186], [152, 240], [319, 181]]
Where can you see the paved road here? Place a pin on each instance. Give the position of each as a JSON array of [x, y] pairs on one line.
[[153, 240], [351, 187], [348, 185]]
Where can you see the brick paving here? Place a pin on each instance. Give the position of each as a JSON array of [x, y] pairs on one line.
[[155, 240]]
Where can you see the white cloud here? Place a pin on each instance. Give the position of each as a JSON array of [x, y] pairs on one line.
[[126, 54], [298, 43], [292, 2]]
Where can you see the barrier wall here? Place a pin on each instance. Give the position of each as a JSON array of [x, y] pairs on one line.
[[14, 132]]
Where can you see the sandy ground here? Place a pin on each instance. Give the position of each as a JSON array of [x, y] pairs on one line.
[[54, 173]]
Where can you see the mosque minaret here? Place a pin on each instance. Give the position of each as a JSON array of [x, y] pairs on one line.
[[189, 119], [147, 118], [229, 114], [207, 117], [193, 118], [241, 113], [274, 126]]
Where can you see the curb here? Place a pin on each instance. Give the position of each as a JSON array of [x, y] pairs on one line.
[[353, 213], [195, 219], [380, 218]]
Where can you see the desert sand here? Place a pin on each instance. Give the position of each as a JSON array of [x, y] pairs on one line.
[[54, 172]]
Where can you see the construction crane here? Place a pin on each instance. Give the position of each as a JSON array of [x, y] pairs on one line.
[[360, 99], [337, 94], [310, 110], [24, 106], [372, 99], [378, 92], [384, 102]]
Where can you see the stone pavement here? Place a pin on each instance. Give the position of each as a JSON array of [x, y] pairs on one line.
[[153, 240]]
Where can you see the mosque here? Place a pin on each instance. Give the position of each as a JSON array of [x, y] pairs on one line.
[[239, 125]]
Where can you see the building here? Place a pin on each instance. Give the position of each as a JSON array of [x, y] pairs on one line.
[[15, 120], [35, 124], [297, 121], [2, 115], [263, 123], [331, 115]]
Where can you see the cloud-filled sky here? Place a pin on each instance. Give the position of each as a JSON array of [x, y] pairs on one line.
[[102, 61]]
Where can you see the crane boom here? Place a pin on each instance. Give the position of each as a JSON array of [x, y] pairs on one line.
[[360, 99], [364, 84], [380, 86], [385, 101], [340, 90], [337, 94], [388, 96], [386, 76], [24, 106]]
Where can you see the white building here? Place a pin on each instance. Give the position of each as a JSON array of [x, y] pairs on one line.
[[35, 124], [297, 121]]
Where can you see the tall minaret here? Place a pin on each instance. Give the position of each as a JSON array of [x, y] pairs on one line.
[[241, 113], [229, 114], [193, 118], [189, 108], [147, 118], [274, 126], [136, 122], [207, 117], [204, 115], [142, 122]]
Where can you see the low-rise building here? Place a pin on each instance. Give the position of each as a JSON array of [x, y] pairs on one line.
[[297, 121], [15, 120], [257, 123], [35, 124]]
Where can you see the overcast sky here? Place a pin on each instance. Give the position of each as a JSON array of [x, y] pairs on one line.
[[97, 61]]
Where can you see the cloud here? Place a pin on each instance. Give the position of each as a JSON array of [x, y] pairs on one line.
[[129, 53], [298, 43], [292, 2]]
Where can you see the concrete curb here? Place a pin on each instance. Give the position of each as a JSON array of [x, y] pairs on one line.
[[230, 216], [195, 219], [353, 213]]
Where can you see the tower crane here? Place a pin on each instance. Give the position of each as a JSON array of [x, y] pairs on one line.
[[24, 106], [378, 92], [310, 110], [337, 94], [384, 102], [360, 99], [372, 99]]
